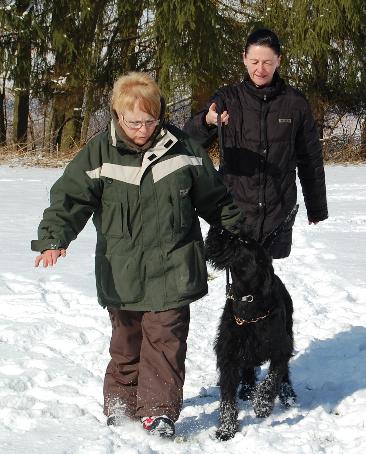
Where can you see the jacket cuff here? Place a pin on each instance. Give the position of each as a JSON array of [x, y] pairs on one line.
[[317, 216], [43, 245]]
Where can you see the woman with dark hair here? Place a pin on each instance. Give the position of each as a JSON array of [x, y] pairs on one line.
[[268, 133]]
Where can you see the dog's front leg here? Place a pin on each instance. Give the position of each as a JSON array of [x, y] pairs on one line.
[[229, 382], [267, 391], [247, 383], [287, 394]]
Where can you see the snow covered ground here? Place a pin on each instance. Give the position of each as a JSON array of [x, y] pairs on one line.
[[54, 339]]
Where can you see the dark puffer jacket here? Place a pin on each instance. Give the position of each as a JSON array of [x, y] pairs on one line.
[[271, 132]]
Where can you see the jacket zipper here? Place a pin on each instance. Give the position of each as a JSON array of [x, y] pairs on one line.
[[262, 167], [158, 233]]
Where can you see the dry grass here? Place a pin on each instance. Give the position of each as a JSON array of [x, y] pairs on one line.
[[337, 150], [14, 155], [343, 150]]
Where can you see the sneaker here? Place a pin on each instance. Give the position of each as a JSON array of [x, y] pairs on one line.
[[115, 420], [158, 425]]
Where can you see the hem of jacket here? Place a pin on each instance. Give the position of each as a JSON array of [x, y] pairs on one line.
[[146, 307]]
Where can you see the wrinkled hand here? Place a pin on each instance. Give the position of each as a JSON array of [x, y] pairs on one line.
[[211, 116], [49, 257]]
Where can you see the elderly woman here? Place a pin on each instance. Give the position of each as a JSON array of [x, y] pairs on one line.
[[268, 133], [145, 183]]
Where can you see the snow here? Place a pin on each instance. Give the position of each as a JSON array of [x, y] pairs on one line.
[[54, 339]]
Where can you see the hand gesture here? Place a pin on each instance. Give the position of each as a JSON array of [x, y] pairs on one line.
[[49, 257], [211, 116]]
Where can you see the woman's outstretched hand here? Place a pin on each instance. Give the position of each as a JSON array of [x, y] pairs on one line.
[[49, 257]]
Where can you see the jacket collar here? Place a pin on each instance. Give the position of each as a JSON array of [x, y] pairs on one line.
[[265, 93]]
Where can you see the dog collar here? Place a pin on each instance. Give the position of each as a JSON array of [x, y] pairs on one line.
[[241, 321], [244, 299]]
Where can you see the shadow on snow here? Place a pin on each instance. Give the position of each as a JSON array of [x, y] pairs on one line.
[[324, 375]]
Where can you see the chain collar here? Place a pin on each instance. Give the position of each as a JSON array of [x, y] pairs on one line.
[[241, 321], [245, 299]]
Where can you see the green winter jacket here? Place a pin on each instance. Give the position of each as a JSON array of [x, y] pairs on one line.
[[145, 208]]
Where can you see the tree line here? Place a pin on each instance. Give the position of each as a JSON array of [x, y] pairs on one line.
[[58, 59]]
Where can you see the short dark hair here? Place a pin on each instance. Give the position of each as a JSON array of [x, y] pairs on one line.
[[264, 37]]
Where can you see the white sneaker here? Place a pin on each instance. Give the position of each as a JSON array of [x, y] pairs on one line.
[[158, 425]]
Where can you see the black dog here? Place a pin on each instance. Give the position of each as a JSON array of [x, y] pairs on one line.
[[255, 327]]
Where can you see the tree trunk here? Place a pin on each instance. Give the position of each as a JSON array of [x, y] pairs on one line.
[[67, 107], [319, 109], [71, 129], [363, 140], [2, 119], [89, 100], [20, 119], [22, 76], [201, 93], [317, 98]]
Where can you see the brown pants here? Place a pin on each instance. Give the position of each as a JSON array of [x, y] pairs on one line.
[[145, 376]]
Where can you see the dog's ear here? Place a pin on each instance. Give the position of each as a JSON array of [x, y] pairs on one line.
[[225, 249], [222, 247]]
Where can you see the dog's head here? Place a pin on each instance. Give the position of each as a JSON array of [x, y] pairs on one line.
[[250, 265]]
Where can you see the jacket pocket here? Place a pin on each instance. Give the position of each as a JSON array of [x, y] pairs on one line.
[[190, 269], [114, 219], [111, 219], [120, 279], [186, 209], [183, 210]]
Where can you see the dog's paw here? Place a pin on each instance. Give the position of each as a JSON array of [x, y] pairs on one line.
[[287, 395], [263, 400], [228, 421], [246, 391], [224, 434]]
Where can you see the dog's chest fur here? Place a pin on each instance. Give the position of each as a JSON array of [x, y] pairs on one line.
[[266, 339]]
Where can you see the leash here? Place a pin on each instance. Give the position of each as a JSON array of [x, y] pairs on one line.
[[220, 142], [221, 168]]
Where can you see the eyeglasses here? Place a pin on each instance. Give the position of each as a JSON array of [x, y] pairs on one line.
[[138, 124]]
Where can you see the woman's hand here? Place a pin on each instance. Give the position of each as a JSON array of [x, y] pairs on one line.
[[49, 257], [211, 116]]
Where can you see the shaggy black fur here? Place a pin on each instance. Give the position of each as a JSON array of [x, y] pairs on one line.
[[265, 335]]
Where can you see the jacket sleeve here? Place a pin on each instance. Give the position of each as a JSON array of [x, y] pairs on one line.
[[211, 199], [198, 129], [73, 199], [309, 159]]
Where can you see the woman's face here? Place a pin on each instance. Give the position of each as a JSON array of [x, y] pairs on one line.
[[137, 124], [261, 63]]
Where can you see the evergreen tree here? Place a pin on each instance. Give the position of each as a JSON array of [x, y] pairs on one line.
[[72, 40], [198, 46]]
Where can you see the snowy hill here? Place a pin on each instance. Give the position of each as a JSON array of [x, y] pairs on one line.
[[54, 339]]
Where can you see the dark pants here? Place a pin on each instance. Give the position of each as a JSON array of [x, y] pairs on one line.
[[145, 376]]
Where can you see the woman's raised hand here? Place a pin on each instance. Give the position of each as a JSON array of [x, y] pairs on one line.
[[211, 116]]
